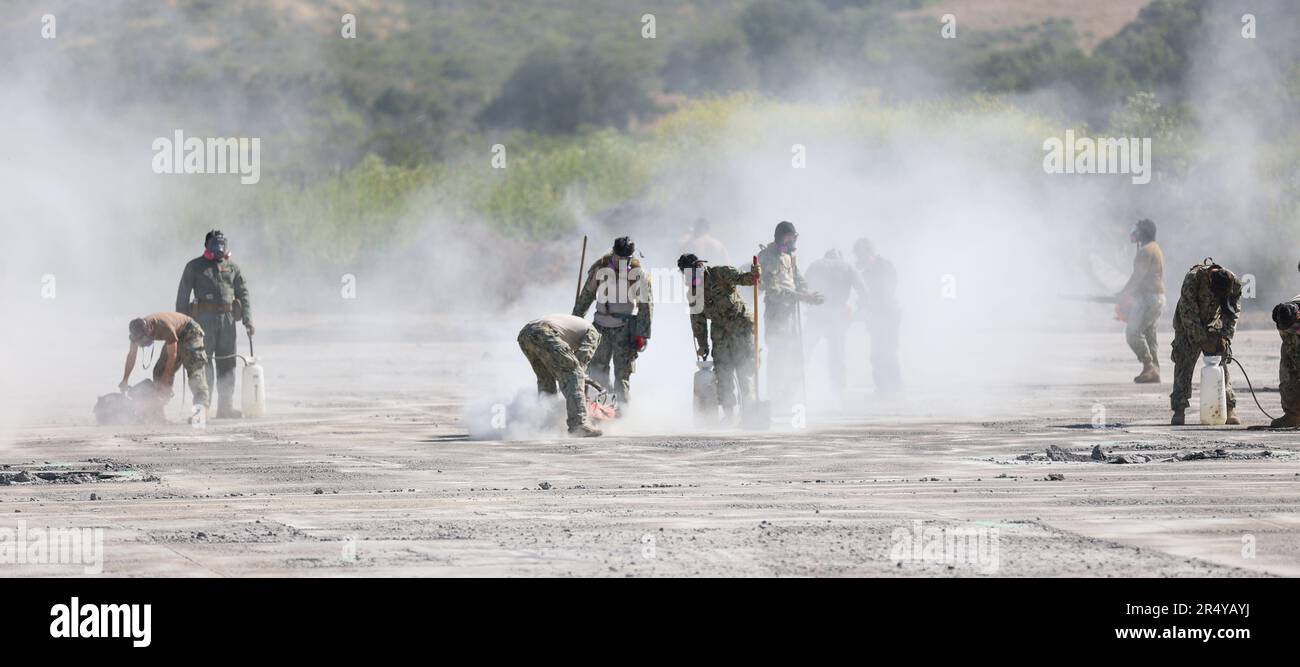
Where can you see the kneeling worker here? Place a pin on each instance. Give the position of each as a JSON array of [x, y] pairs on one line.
[[1205, 320], [559, 347], [182, 339]]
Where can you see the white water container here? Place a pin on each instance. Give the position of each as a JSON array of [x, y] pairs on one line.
[[706, 394], [1214, 396], [254, 399]]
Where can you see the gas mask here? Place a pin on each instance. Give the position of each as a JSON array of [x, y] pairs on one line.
[[1287, 317], [624, 247], [216, 249]]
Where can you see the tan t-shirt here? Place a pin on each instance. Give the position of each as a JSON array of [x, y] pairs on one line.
[[1148, 271], [167, 326], [571, 328]]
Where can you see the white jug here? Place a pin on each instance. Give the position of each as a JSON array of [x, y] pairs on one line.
[[254, 403], [1214, 396], [706, 394]]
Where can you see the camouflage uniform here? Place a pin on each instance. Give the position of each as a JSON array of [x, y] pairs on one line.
[[1289, 370], [215, 286], [717, 301], [1197, 316], [556, 362], [783, 287], [192, 357], [623, 311]]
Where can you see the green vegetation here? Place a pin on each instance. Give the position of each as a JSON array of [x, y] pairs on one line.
[[371, 133]]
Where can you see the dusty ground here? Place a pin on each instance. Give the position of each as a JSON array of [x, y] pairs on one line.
[[380, 479]]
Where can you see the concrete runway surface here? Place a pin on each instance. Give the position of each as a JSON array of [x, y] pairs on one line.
[[364, 468]]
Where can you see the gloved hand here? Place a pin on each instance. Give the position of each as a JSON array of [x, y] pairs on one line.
[[248, 326], [638, 343], [1210, 346], [701, 351]]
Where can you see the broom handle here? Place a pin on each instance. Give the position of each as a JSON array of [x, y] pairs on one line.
[[756, 353], [582, 264]]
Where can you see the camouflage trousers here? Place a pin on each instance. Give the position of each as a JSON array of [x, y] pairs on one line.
[[733, 363], [1289, 374], [193, 358], [1184, 357], [1141, 328], [556, 364], [220, 338], [616, 348]]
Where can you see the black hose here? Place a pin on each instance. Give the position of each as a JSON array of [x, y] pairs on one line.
[[1251, 387]]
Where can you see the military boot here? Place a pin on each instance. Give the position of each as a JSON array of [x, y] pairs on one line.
[[1150, 374], [585, 431], [1233, 419], [1288, 420], [1180, 417]]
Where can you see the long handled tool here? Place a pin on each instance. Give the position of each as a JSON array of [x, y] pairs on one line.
[[582, 266], [758, 414], [756, 354]]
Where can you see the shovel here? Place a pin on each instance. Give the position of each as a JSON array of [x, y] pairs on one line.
[[758, 414]]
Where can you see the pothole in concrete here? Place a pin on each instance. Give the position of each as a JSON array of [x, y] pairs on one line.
[[89, 471]]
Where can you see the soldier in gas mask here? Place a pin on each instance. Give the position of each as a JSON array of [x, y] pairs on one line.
[[624, 308], [1205, 320], [220, 300], [784, 289], [1144, 296]]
